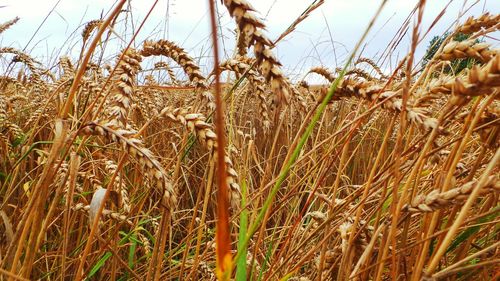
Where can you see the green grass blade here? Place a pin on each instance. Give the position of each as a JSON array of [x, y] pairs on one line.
[[131, 251], [471, 230], [266, 261], [100, 263], [241, 262]]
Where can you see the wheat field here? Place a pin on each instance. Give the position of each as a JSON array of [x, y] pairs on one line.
[[243, 173]]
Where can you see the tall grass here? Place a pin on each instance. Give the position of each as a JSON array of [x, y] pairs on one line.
[[108, 174]]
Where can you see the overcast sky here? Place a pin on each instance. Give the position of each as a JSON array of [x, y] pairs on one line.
[[325, 38]]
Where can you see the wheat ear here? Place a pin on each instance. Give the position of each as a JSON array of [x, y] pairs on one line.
[[436, 200], [6, 25], [465, 49], [485, 21], [250, 28], [195, 122]]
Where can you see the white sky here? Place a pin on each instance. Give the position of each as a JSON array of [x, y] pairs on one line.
[[188, 25]]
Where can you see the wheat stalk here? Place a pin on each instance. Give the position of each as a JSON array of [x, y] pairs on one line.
[[112, 168]]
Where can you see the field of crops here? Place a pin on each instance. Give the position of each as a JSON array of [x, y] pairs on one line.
[[244, 173]]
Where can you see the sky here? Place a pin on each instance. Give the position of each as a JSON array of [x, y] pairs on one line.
[[325, 38]]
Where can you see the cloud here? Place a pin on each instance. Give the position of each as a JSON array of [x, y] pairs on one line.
[[326, 37]]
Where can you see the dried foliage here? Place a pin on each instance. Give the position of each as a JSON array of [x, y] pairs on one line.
[[398, 181]]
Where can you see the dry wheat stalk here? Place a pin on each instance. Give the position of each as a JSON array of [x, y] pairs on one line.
[[195, 122], [147, 98], [23, 100], [93, 88], [205, 272], [94, 182], [357, 72], [144, 105], [155, 97], [48, 74], [16, 98], [305, 90], [361, 241], [60, 176], [3, 110], [6, 126], [94, 71], [67, 68], [5, 144], [330, 263], [480, 80], [22, 56], [303, 84], [67, 75], [180, 56], [20, 88], [40, 113], [437, 200], [36, 72], [298, 98], [374, 92], [146, 245], [490, 125], [314, 5], [6, 80]]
